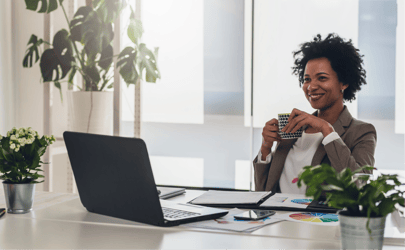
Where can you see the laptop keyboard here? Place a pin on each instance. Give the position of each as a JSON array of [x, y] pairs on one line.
[[171, 213]]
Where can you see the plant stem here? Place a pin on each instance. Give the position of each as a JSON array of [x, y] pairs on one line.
[[91, 109], [67, 20], [81, 60]]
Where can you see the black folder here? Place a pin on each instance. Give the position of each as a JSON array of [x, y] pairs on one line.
[[314, 206]]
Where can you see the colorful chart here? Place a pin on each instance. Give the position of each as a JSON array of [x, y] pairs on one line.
[[280, 199], [315, 217], [302, 201]]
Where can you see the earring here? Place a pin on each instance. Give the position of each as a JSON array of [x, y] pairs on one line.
[[342, 90]]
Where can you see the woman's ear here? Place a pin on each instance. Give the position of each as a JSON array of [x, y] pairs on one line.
[[344, 86]]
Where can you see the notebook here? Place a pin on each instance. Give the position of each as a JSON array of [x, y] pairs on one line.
[[114, 178]]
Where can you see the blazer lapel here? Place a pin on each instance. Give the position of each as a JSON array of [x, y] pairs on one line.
[[343, 121], [277, 163]]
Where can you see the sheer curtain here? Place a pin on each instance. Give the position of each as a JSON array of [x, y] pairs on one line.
[[6, 77]]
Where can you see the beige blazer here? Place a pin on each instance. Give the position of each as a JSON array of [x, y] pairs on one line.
[[354, 148]]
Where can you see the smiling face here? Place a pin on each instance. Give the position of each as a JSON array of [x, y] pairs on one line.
[[321, 85]]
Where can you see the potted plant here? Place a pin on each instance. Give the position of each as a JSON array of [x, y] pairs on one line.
[[86, 48], [365, 202], [20, 153]]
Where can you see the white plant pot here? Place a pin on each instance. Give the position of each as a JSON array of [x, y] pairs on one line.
[[91, 112]]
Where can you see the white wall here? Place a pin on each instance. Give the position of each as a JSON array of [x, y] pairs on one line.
[[7, 118], [29, 91]]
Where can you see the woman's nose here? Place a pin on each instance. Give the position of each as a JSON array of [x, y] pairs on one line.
[[312, 87]]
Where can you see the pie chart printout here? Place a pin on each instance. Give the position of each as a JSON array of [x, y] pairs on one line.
[[315, 217], [302, 201]]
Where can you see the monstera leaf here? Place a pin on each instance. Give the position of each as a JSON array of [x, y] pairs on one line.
[[109, 10], [148, 62], [135, 29], [127, 64], [106, 57], [46, 5], [76, 24], [57, 59], [96, 35], [131, 60], [32, 51]]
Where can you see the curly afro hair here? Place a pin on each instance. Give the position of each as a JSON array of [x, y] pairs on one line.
[[343, 57]]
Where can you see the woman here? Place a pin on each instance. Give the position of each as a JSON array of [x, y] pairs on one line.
[[330, 71]]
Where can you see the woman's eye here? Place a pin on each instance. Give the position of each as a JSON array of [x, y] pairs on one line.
[[307, 79], [322, 78]]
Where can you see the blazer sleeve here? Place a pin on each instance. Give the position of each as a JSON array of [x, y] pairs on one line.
[[360, 153], [261, 173]]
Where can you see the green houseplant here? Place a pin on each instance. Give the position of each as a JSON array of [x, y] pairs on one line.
[[363, 204], [85, 48], [20, 153]]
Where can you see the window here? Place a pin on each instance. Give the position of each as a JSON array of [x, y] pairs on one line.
[[196, 121]]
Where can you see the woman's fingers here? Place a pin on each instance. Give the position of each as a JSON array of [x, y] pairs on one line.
[[298, 126], [273, 121], [271, 137], [294, 113], [270, 133], [292, 125]]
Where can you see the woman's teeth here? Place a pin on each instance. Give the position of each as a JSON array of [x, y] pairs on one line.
[[315, 97]]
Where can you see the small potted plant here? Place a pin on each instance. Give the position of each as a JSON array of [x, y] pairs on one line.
[[365, 203], [20, 159]]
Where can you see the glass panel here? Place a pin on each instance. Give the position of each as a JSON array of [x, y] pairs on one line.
[[193, 117], [377, 41], [279, 30], [215, 149], [400, 70]]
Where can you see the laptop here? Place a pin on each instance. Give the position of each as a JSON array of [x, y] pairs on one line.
[[114, 178]]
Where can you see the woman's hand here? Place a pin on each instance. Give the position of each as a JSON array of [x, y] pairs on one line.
[[270, 135], [300, 118]]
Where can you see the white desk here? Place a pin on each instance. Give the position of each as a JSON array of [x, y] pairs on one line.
[[60, 221]]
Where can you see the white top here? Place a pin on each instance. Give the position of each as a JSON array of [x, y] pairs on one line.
[[299, 156]]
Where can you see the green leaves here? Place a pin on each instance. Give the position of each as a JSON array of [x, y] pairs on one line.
[[58, 59], [109, 10], [32, 51], [148, 62], [135, 29], [96, 35], [106, 57], [76, 24], [87, 47], [46, 5], [22, 166], [127, 64], [376, 198], [132, 62]]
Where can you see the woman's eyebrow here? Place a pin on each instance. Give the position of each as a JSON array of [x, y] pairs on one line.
[[320, 73]]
